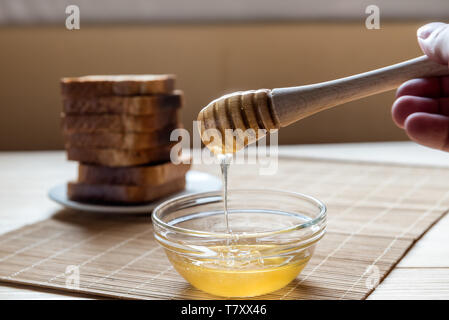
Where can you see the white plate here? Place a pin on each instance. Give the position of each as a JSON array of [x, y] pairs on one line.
[[195, 182]]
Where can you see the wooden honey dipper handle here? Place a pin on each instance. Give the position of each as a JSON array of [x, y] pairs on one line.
[[271, 109], [295, 103]]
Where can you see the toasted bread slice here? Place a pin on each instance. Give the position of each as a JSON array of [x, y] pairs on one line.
[[120, 157], [117, 85], [146, 175], [120, 140], [122, 193], [135, 105], [118, 123]]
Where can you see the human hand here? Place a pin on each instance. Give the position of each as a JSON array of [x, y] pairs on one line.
[[422, 105]]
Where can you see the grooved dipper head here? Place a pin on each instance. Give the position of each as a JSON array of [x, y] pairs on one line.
[[233, 121]]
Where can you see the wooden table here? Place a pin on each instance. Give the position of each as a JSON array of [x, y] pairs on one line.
[[423, 273]]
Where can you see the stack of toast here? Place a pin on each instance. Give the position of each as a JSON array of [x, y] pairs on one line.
[[118, 128]]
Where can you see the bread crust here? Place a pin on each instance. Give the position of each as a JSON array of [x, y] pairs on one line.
[[150, 175], [120, 140], [120, 157], [118, 122], [105, 193], [117, 85], [135, 105]]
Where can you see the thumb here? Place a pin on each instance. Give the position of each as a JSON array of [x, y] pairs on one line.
[[433, 39]]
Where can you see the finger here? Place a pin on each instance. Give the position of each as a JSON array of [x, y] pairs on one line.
[[407, 105], [431, 130], [444, 86], [433, 38], [425, 87], [426, 30]]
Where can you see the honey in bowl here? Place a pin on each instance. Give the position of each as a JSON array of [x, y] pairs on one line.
[[239, 270], [273, 237], [242, 244]]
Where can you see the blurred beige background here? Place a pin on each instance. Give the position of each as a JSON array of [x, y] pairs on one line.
[[209, 60]]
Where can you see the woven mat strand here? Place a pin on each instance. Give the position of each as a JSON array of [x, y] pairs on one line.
[[375, 214]]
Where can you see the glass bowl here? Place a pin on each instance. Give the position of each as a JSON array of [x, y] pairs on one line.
[[273, 236]]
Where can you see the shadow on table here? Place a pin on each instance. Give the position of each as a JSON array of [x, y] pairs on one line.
[[96, 222]]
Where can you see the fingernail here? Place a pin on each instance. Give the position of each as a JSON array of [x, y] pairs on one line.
[[425, 31]]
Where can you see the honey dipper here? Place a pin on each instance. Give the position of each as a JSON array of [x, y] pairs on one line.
[[272, 109]]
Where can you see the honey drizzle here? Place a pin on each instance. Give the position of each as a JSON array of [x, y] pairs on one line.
[[225, 160]]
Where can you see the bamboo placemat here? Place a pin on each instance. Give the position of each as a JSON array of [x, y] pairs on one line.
[[375, 214]]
